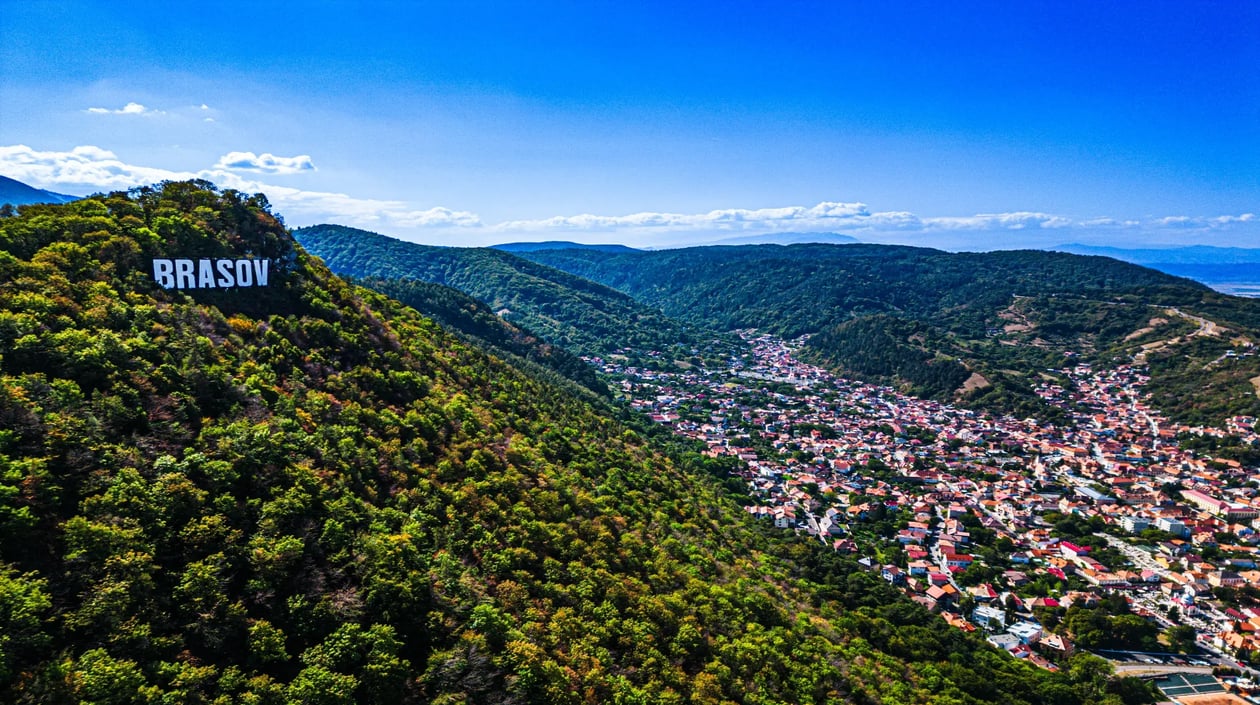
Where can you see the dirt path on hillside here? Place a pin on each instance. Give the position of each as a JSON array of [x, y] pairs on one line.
[[1206, 328]]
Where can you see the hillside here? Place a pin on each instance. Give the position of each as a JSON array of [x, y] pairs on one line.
[[972, 327], [584, 317], [16, 193], [308, 493], [473, 321]]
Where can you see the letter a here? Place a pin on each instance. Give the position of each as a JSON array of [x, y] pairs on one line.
[[205, 275]]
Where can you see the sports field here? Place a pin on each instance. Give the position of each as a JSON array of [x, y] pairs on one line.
[[1180, 685]]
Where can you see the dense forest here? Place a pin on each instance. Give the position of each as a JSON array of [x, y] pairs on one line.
[[802, 288], [312, 494], [889, 350], [923, 316], [584, 317]]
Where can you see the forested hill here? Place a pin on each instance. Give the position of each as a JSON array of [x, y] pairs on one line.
[[575, 313], [977, 327], [309, 494]]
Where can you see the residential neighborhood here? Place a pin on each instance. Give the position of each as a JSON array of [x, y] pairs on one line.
[[998, 524]]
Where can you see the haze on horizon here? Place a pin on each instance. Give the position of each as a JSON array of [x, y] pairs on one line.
[[991, 125]]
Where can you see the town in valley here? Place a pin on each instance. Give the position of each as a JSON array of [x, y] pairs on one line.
[[1003, 525]]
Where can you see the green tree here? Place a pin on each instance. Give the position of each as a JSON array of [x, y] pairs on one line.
[[24, 603], [1181, 638]]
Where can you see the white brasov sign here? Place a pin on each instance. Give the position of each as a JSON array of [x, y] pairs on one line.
[[210, 273]]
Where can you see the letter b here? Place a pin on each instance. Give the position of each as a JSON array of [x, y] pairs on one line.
[[164, 273]]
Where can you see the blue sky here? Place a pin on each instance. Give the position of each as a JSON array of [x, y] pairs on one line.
[[964, 125]]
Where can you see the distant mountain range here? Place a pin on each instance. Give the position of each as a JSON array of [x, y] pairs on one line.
[[16, 193]]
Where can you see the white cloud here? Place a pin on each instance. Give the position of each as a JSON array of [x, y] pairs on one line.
[[128, 109], [893, 220], [826, 216], [1113, 223], [85, 167], [363, 212], [90, 168], [1204, 222], [999, 221], [265, 163], [827, 213], [858, 219]]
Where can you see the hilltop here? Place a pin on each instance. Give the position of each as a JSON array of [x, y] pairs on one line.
[[309, 493], [977, 328]]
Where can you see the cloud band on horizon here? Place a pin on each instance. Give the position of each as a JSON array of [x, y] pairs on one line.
[[96, 168]]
